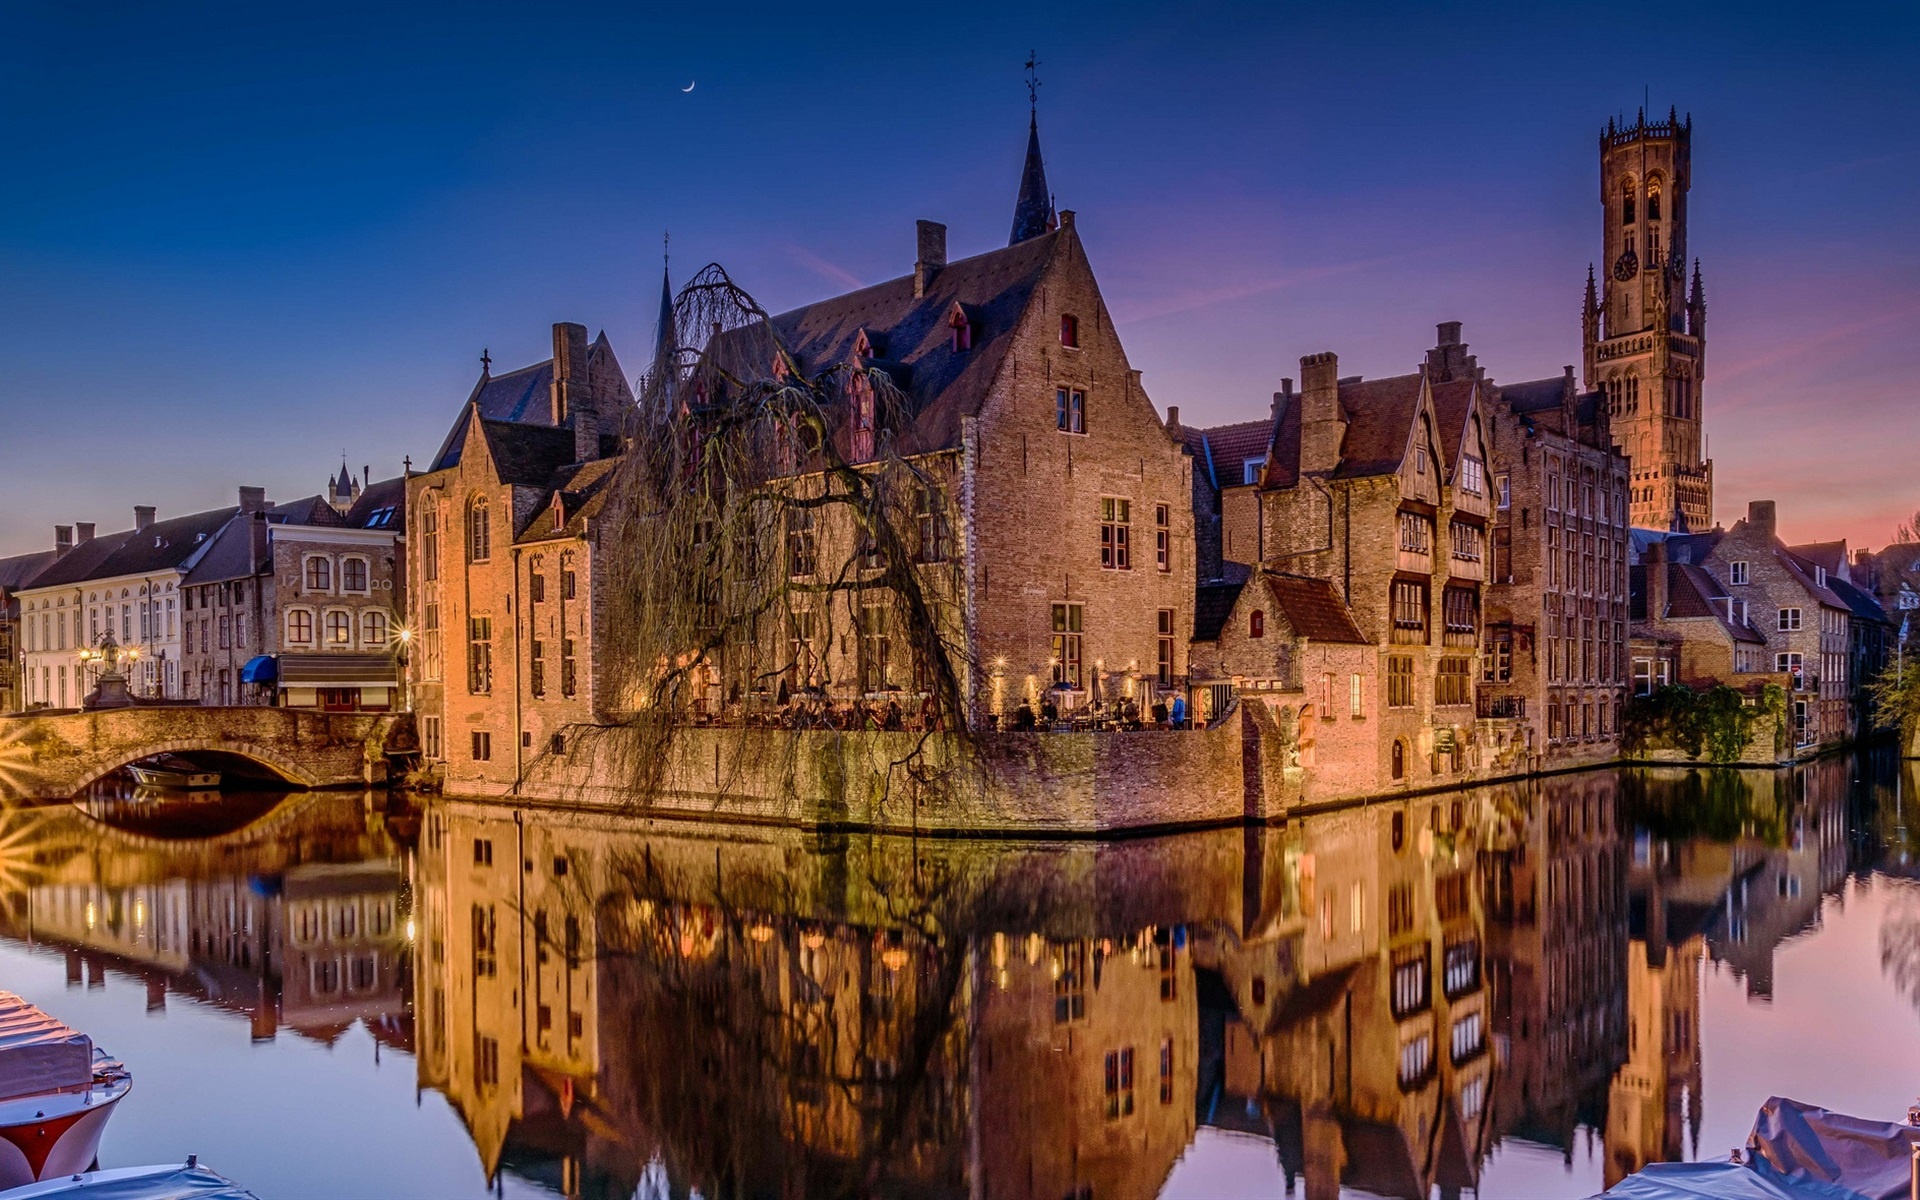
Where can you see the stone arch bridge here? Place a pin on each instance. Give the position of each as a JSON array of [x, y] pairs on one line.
[[52, 755]]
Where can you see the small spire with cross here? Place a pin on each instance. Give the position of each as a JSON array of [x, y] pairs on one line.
[[1033, 80], [486, 362]]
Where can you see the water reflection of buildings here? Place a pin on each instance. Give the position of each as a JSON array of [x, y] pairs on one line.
[[777, 1013], [301, 926]]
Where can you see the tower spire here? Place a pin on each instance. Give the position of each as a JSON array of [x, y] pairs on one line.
[[1033, 208], [666, 334]]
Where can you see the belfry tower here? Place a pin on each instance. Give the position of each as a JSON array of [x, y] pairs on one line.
[[1644, 331]]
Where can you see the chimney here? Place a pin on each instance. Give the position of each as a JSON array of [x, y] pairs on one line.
[[932, 255], [85, 530], [1282, 400], [1066, 218], [1322, 428], [1760, 515], [142, 517], [257, 537], [1173, 419], [1449, 360], [572, 398], [1449, 333], [366, 474], [1655, 562], [62, 541], [253, 499]]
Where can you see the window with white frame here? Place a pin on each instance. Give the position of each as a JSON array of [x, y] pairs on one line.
[[319, 574], [353, 574], [1789, 619], [1737, 572], [1473, 476], [299, 627], [373, 627], [339, 627]]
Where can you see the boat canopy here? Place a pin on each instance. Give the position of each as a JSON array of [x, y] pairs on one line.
[[1795, 1152], [259, 669], [38, 1053]]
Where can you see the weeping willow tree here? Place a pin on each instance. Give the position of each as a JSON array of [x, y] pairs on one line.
[[776, 558]]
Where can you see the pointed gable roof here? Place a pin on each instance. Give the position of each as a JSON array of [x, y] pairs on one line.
[[1453, 406], [942, 384], [18, 571], [1033, 208]]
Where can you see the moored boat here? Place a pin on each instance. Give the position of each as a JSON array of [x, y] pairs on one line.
[[167, 771], [56, 1092], [172, 1181]]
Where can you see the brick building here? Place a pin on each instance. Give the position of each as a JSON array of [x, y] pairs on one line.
[[1786, 599], [1690, 630], [1555, 652], [1644, 335], [1069, 501], [1381, 489], [301, 604], [504, 581]]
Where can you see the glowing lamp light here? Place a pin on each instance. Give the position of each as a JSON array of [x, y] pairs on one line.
[[762, 932], [814, 939], [410, 929], [894, 959]]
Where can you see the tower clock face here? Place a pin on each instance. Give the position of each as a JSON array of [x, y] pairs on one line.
[[1626, 266]]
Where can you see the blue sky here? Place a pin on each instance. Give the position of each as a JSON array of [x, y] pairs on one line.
[[235, 241]]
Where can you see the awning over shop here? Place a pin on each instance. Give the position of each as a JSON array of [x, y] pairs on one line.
[[259, 669], [337, 671]]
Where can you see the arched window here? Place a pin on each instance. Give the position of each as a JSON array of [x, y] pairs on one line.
[[339, 627], [299, 627], [319, 575], [1257, 624], [1653, 199], [373, 628], [479, 531], [1626, 202], [1399, 760], [353, 574]]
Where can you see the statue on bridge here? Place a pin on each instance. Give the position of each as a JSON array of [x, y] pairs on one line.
[[111, 690]]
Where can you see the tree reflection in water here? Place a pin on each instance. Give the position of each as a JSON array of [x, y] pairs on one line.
[[1385, 996]]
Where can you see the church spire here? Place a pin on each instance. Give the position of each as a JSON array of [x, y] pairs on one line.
[[1033, 210], [666, 334]]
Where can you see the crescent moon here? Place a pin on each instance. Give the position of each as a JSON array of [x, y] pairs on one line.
[[689, 87]]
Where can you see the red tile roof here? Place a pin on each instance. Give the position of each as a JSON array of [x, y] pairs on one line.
[[1312, 609]]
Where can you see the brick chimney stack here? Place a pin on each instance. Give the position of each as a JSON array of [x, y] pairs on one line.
[[572, 397], [1173, 419], [85, 530], [62, 541], [1322, 426], [931, 256], [1656, 567], [142, 517], [257, 537], [253, 499], [1760, 515]]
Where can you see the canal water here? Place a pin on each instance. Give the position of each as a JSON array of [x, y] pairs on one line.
[[1528, 989]]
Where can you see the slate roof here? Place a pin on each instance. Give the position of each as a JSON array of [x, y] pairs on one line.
[[164, 545], [1804, 572], [1860, 601], [1312, 609], [1379, 415], [942, 385], [18, 571], [523, 396], [1830, 556], [1222, 450], [1534, 395], [1214, 600], [382, 505], [581, 489], [527, 455]]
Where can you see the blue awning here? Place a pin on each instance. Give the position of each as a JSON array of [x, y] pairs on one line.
[[260, 669]]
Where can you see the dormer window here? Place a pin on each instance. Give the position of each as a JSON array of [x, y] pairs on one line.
[[1250, 469], [1069, 330], [1419, 460], [961, 329]]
